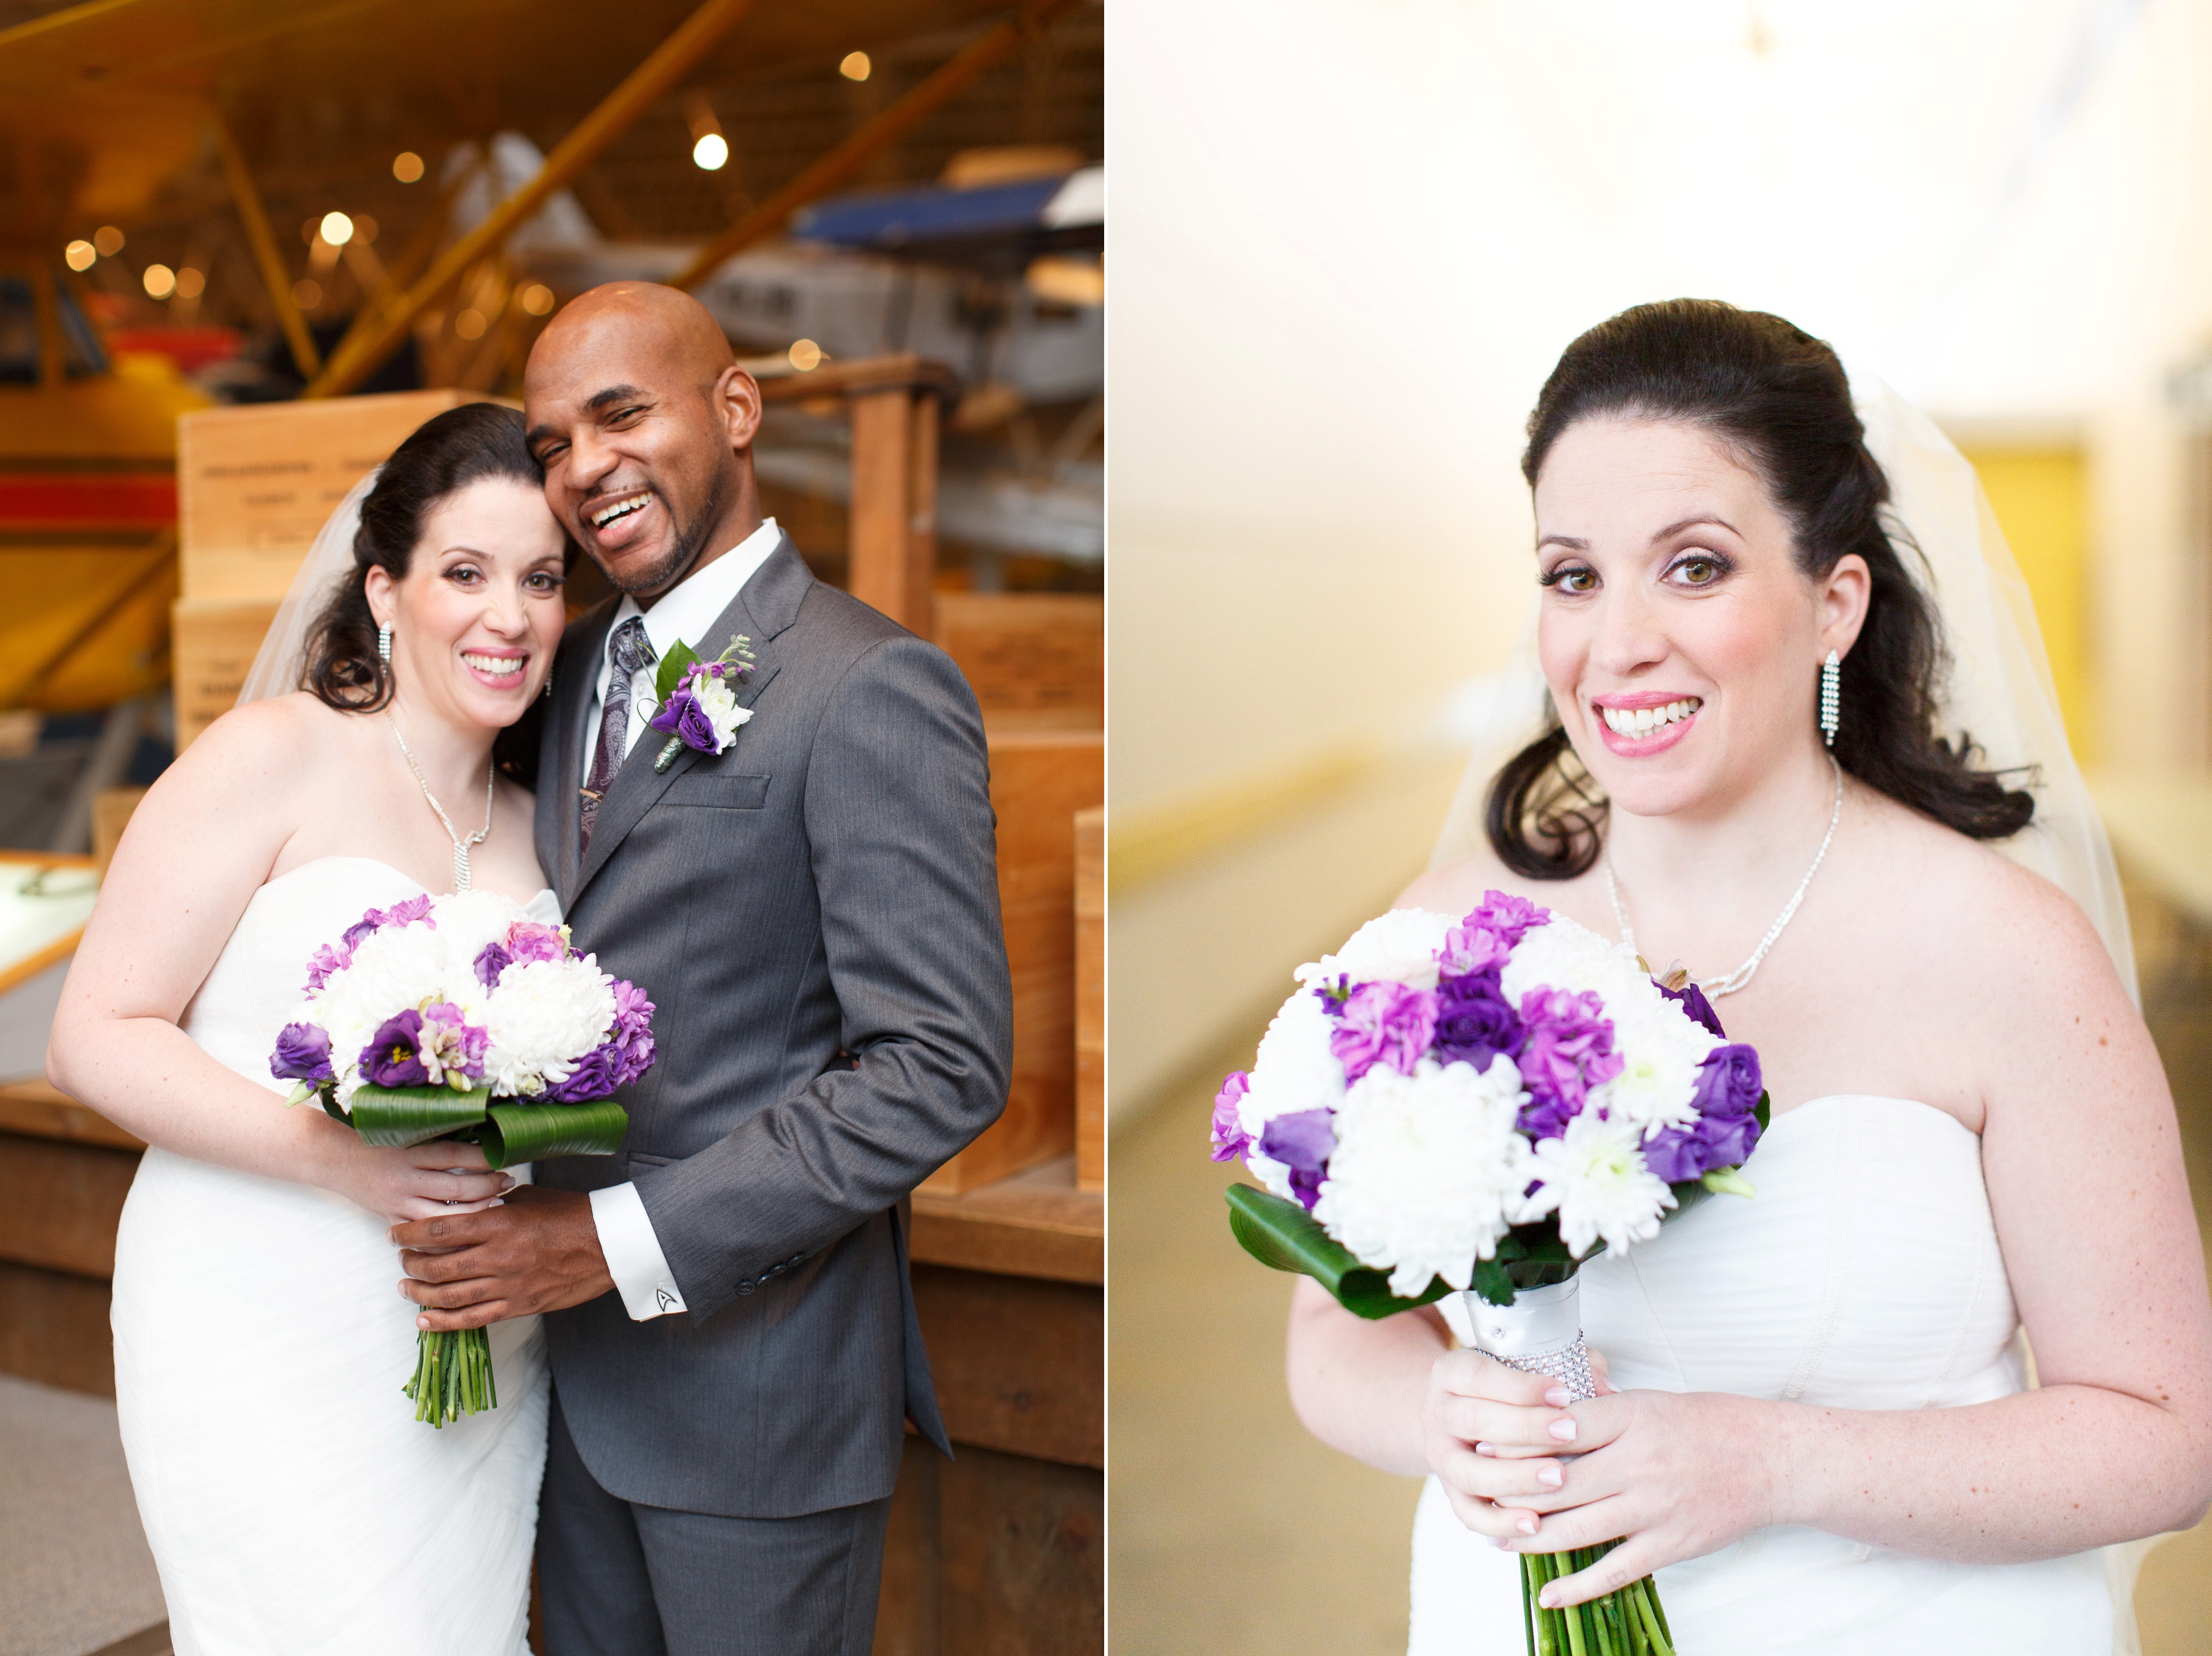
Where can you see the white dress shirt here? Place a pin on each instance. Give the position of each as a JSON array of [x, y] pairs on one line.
[[633, 1252]]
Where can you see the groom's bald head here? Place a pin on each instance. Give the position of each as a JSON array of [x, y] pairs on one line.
[[643, 422]]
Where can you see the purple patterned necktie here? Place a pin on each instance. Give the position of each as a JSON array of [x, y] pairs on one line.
[[627, 650]]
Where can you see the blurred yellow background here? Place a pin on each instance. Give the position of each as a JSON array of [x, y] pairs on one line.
[[1350, 242]]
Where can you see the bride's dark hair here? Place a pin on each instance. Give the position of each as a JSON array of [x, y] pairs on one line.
[[445, 454], [1779, 399]]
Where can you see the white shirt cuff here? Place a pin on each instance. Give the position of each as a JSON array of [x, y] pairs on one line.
[[633, 1252]]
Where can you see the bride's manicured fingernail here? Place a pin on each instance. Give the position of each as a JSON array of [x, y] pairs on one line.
[[1527, 1526], [1563, 1430], [1549, 1476], [1483, 1449], [1558, 1397], [1549, 1598]]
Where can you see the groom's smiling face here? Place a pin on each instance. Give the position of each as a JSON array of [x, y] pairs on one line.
[[643, 424]]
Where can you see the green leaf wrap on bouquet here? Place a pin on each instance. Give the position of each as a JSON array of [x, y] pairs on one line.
[[393, 1117], [1280, 1234], [515, 1133]]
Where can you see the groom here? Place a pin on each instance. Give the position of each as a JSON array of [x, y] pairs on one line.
[[815, 912]]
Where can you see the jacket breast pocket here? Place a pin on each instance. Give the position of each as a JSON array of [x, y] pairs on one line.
[[722, 790]]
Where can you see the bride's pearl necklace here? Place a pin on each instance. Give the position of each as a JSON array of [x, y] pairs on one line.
[[460, 846], [1742, 975]]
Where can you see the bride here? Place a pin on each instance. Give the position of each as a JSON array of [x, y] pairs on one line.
[[292, 1501], [1822, 1437]]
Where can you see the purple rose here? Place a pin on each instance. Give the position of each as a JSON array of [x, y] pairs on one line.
[[303, 1054], [1230, 1138], [1729, 1081], [1692, 1001], [528, 941], [1567, 1051], [1728, 1088], [1384, 1023], [491, 960], [594, 1077], [394, 1058], [1473, 1021], [682, 716], [1302, 1141], [1676, 1153]]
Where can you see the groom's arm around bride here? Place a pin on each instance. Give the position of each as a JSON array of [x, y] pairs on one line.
[[815, 909]]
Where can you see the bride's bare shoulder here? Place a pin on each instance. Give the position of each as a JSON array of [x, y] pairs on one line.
[[255, 754], [1977, 911]]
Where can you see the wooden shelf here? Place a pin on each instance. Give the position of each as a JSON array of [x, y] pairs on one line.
[[39, 1110], [1035, 1223]]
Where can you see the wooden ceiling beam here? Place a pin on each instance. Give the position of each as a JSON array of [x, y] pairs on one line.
[[378, 332], [843, 164]]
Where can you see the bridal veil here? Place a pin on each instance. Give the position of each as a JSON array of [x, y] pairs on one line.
[[280, 666]]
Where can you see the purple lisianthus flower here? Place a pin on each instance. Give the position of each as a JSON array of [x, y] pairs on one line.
[[1302, 1141], [326, 964], [682, 717], [1230, 1138], [450, 1048], [367, 925], [303, 1054], [1692, 1001], [594, 1076], [528, 941], [394, 1058], [1728, 1088], [491, 960], [1475, 1022], [1568, 1051], [1384, 1023]]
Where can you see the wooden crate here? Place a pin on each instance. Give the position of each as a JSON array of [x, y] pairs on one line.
[[1039, 781], [1035, 659], [110, 815], [1091, 999], [255, 482], [212, 641]]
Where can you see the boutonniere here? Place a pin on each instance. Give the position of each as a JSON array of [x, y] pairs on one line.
[[698, 699]]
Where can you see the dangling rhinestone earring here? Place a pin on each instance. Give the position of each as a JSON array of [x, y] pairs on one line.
[[1831, 697], [383, 643], [548, 683]]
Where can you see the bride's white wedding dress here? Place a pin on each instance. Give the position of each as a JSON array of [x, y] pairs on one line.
[[294, 1504], [1864, 1275]]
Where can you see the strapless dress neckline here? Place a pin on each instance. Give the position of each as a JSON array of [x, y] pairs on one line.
[[545, 893]]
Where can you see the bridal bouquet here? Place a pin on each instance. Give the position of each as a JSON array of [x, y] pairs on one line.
[[1474, 1107], [458, 1017]]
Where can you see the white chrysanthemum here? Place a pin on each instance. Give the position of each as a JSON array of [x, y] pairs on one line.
[[1565, 955], [1294, 1070], [1426, 1166], [1661, 1048], [467, 920], [394, 968], [544, 1016], [1595, 1179], [1400, 946], [720, 703]]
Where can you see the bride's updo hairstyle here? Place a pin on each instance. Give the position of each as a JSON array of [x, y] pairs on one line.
[[446, 454], [1778, 399]]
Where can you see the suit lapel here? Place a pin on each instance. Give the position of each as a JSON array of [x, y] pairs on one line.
[[768, 604]]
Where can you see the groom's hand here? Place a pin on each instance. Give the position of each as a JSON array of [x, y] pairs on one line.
[[539, 1250]]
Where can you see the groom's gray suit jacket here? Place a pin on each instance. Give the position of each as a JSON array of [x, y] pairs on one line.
[[815, 913]]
